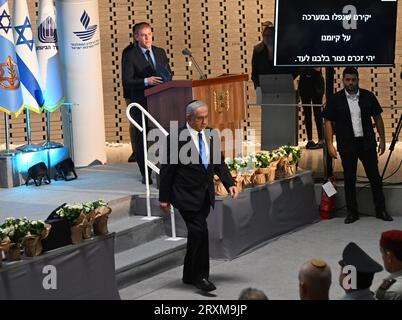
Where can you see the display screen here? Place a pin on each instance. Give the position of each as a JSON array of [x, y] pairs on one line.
[[335, 32]]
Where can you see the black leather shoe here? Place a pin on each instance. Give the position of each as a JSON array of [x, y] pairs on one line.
[[150, 180], [383, 215], [132, 158], [351, 217], [205, 285], [310, 144]]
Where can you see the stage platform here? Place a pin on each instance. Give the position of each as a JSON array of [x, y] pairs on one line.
[[119, 183], [114, 183]]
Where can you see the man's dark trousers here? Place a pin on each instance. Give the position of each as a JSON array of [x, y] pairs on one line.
[[196, 262], [368, 157]]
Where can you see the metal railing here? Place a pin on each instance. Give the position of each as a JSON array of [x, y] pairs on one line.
[[148, 164]]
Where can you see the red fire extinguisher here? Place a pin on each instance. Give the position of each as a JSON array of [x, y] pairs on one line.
[[327, 203]]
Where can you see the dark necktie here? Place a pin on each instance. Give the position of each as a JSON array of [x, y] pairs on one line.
[[203, 153], [150, 59]]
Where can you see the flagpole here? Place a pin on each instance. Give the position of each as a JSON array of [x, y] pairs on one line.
[[50, 144], [7, 152], [29, 147]]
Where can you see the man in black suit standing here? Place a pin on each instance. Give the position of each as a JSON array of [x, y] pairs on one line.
[[143, 66], [187, 184], [263, 56], [351, 110]]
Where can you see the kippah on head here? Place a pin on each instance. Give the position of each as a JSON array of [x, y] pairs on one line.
[[392, 240], [318, 263]]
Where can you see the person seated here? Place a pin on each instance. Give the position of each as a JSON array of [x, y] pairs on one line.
[[314, 280], [252, 294], [391, 251], [357, 283]]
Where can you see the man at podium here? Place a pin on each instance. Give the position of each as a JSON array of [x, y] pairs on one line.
[[143, 66]]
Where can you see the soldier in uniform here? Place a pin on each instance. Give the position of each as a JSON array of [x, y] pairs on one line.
[[365, 267], [391, 250]]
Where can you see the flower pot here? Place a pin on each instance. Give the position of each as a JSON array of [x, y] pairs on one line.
[[14, 252], [87, 232], [87, 227], [100, 225], [76, 234], [259, 179], [33, 246], [270, 176], [291, 170], [220, 189], [247, 181]]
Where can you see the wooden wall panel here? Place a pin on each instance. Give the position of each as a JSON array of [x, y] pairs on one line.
[[220, 33]]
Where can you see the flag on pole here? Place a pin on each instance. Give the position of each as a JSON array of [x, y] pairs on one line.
[[10, 85], [47, 51], [26, 56]]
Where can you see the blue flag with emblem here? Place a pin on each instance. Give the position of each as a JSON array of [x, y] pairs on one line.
[[27, 59], [10, 86]]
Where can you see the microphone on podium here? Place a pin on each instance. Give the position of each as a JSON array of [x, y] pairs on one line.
[[187, 52]]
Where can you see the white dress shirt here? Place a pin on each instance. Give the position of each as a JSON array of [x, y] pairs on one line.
[[194, 136], [355, 113]]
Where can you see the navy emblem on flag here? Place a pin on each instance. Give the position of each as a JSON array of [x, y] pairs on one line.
[[89, 30]]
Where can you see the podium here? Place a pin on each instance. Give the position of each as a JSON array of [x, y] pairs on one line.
[[224, 95], [278, 111]]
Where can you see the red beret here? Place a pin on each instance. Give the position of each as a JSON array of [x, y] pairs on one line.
[[392, 240]]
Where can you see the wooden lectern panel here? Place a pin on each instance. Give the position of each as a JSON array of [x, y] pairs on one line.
[[224, 95], [226, 98]]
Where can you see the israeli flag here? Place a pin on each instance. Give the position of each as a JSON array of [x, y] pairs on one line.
[[48, 57], [10, 84], [27, 59]]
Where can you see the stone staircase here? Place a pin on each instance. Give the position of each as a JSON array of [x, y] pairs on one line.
[[142, 248]]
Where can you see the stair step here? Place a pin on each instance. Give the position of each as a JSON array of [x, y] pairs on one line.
[[141, 206], [147, 260], [133, 231], [122, 208]]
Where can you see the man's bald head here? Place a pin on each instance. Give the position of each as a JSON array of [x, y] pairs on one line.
[[314, 280]]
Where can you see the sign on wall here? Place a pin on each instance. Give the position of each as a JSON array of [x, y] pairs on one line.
[[335, 32]]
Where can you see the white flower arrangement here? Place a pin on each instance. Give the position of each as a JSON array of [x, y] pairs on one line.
[[237, 163], [16, 229], [293, 152], [70, 212]]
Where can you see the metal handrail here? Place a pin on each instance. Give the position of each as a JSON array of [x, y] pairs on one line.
[[149, 164]]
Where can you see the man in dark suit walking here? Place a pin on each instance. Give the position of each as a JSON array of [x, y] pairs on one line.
[[351, 110], [143, 66], [187, 184]]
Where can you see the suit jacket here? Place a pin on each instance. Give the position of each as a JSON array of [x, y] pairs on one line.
[[185, 185], [262, 65], [135, 68], [311, 83], [337, 111]]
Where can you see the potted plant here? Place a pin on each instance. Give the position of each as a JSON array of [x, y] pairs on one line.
[[32, 242], [291, 157], [16, 230], [102, 212], [89, 211], [4, 244], [237, 166], [73, 213]]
